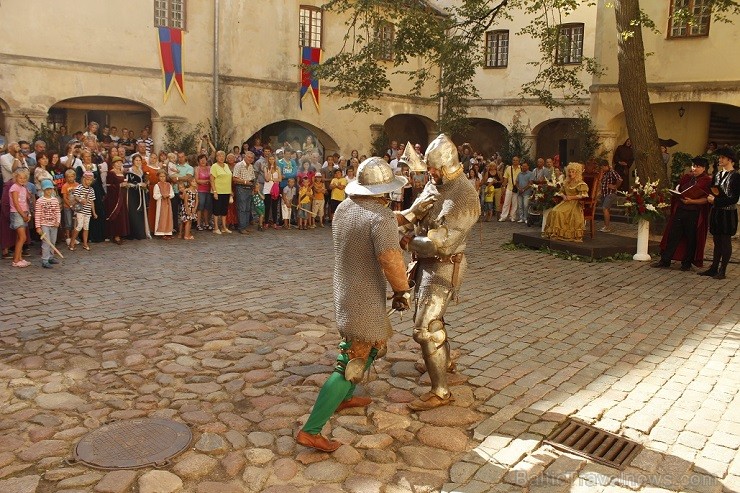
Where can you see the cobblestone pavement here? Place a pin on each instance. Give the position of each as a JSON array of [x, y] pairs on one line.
[[198, 332]]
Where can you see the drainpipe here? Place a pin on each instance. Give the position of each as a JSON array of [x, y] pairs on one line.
[[441, 104], [215, 70]]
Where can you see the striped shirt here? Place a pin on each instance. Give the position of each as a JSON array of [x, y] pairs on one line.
[[81, 193], [48, 212], [148, 142]]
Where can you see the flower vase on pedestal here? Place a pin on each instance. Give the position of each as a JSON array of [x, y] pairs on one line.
[[545, 213], [643, 237]]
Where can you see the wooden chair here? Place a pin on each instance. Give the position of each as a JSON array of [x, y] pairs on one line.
[[593, 180]]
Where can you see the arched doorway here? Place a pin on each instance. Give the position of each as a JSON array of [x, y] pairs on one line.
[[295, 133], [409, 128], [76, 113], [560, 137], [484, 136]]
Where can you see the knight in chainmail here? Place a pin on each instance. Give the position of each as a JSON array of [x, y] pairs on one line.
[[366, 255], [438, 223]]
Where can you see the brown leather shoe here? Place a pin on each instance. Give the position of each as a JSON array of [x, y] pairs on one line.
[[317, 441], [429, 400], [354, 402]]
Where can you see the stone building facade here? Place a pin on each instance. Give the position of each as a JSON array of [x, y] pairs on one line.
[[100, 61]]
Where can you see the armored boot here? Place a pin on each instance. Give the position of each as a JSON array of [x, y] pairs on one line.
[[451, 366], [435, 359]]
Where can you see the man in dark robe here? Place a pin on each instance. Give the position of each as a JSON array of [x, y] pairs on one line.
[[686, 232]]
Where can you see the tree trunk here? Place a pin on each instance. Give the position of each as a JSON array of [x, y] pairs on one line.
[[634, 93]]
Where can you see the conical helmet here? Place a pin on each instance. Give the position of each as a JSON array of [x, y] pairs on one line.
[[442, 155], [374, 177], [412, 159]]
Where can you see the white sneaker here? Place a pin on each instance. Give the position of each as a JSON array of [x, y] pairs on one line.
[[605, 230], [520, 221], [66, 240], [513, 220], [502, 219]]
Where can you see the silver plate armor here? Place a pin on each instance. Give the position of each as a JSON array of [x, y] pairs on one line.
[[443, 232]]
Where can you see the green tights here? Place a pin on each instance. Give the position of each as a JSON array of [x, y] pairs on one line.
[[335, 390]]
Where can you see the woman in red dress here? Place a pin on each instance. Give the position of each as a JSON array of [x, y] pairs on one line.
[[116, 212]]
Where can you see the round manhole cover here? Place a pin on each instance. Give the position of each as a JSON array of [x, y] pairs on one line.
[[133, 443]]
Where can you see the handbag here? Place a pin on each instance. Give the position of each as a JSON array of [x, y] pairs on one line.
[[275, 190], [78, 206], [514, 188]]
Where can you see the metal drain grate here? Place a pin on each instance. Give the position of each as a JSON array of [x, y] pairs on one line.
[[598, 445]]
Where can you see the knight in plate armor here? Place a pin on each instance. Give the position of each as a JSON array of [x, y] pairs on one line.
[[437, 226], [366, 255]]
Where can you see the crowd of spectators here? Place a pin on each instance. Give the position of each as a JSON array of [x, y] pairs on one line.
[[116, 187]]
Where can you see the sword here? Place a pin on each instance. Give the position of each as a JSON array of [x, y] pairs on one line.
[[48, 242], [305, 210]]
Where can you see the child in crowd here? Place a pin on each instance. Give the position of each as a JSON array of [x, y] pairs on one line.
[[68, 189], [48, 217], [258, 205], [188, 208], [84, 203], [317, 206], [305, 195], [337, 185], [20, 214], [163, 193], [488, 200], [289, 193]]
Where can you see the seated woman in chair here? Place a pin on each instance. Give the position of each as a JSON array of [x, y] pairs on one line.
[[565, 221]]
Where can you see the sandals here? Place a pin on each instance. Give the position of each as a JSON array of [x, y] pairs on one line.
[[85, 247], [190, 237]]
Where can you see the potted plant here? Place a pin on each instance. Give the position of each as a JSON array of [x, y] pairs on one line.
[[644, 203]]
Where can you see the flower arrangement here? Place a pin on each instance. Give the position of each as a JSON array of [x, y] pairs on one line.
[[546, 195], [644, 201]]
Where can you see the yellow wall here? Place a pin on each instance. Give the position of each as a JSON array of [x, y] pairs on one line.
[[497, 83], [672, 60]]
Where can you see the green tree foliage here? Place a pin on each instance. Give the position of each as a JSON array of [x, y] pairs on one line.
[[41, 131], [448, 48], [181, 137], [588, 136], [220, 137], [515, 143], [449, 45]]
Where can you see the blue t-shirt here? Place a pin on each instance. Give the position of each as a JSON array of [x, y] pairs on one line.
[[289, 169], [522, 181], [183, 170]]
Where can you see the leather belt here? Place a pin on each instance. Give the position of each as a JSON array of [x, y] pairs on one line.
[[454, 259]]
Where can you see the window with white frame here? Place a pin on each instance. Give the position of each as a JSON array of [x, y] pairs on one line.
[[169, 13], [310, 27], [570, 44], [497, 49], [697, 23]]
